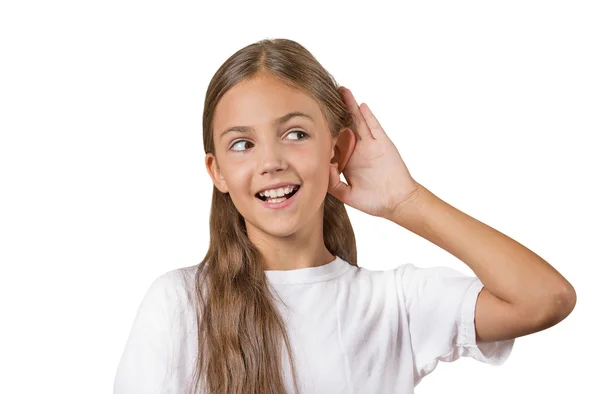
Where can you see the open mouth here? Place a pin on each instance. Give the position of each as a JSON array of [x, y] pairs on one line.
[[286, 196]]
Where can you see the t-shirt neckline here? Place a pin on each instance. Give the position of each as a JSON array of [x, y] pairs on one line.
[[310, 274]]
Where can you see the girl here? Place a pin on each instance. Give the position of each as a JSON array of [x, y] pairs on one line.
[[279, 303]]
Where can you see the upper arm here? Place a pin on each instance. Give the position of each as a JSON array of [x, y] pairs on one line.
[[439, 304], [143, 364], [497, 320]]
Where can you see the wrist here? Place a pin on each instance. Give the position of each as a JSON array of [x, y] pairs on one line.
[[413, 208]]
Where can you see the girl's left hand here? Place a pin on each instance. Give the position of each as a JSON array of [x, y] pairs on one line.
[[378, 180]]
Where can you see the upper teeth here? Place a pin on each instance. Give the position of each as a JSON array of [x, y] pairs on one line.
[[278, 192]]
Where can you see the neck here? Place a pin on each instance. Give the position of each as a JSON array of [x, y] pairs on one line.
[[304, 248]]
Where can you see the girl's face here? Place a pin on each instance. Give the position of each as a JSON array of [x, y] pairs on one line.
[[296, 151]]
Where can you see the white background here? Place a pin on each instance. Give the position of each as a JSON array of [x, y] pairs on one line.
[[494, 106]]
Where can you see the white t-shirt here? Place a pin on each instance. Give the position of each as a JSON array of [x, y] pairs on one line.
[[352, 330]]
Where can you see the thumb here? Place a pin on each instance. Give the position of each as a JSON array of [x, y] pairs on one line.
[[337, 188]]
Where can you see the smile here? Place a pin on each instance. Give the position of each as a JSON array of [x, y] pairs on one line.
[[279, 202]]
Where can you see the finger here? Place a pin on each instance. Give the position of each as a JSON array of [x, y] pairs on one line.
[[337, 188], [372, 122], [362, 129]]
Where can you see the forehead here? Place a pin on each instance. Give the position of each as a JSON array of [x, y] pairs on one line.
[[257, 102]]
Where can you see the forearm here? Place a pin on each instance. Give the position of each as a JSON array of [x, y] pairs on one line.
[[506, 268]]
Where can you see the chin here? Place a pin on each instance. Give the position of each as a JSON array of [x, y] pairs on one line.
[[280, 231], [271, 229]]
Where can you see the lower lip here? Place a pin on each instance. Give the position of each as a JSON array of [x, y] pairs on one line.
[[279, 205]]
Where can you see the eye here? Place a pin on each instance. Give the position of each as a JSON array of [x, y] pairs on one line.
[[237, 142], [305, 136], [300, 132]]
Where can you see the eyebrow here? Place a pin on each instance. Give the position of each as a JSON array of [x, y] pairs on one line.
[[276, 122]]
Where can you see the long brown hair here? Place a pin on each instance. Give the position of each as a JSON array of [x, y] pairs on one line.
[[240, 331]]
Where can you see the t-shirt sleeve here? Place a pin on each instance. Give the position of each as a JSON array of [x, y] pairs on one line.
[[440, 308], [146, 361]]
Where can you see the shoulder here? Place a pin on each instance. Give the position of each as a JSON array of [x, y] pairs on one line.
[[370, 279], [411, 282], [175, 280], [172, 289], [162, 334], [410, 277]]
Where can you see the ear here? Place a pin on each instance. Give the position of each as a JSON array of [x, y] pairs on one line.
[[213, 169], [343, 148]]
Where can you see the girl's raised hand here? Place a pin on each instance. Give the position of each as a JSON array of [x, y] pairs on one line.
[[378, 180]]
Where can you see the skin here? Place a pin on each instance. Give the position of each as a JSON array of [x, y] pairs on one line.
[[245, 163], [522, 293]]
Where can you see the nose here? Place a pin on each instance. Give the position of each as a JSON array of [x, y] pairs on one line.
[[271, 158]]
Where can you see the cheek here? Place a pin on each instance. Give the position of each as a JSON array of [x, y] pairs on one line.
[[238, 180], [316, 171]]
